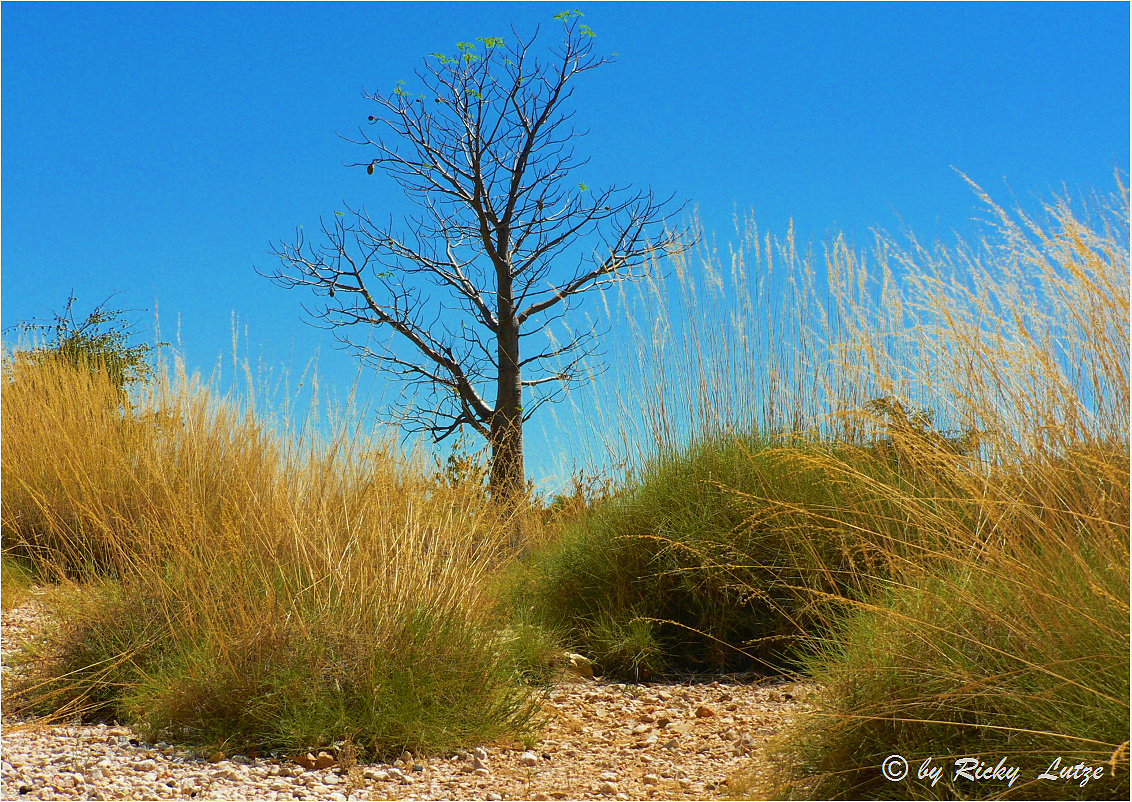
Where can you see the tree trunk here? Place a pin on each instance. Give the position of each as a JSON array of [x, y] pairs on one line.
[[508, 477]]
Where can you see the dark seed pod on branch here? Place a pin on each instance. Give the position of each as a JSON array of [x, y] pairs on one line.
[[369, 169]]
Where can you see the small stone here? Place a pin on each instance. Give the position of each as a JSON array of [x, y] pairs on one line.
[[480, 754], [61, 782], [528, 759], [703, 711], [582, 666], [650, 779], [606, 787], [608, 776]]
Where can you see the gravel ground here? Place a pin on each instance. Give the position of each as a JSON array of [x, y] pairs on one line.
[[605, 741]]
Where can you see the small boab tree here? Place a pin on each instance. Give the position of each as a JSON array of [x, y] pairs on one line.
[[506, 237]]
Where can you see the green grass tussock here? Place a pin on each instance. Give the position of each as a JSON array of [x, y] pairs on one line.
[[1017, 652], [666, 578]]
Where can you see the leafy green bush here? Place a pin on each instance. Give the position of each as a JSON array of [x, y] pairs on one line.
[[84, 346]]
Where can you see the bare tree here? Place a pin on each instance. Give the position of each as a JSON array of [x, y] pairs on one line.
[[503, 232]]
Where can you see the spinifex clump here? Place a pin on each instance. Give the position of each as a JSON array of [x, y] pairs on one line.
[[242, 592]]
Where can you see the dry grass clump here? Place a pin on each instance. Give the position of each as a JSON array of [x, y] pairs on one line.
[[244, 591], [1001, 631]]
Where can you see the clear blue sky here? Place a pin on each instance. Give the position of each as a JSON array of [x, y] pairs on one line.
[[157, 150]]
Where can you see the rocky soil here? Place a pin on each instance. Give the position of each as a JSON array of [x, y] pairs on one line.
[[604, 741]]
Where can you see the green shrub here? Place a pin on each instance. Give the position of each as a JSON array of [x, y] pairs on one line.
[[86, 346]]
